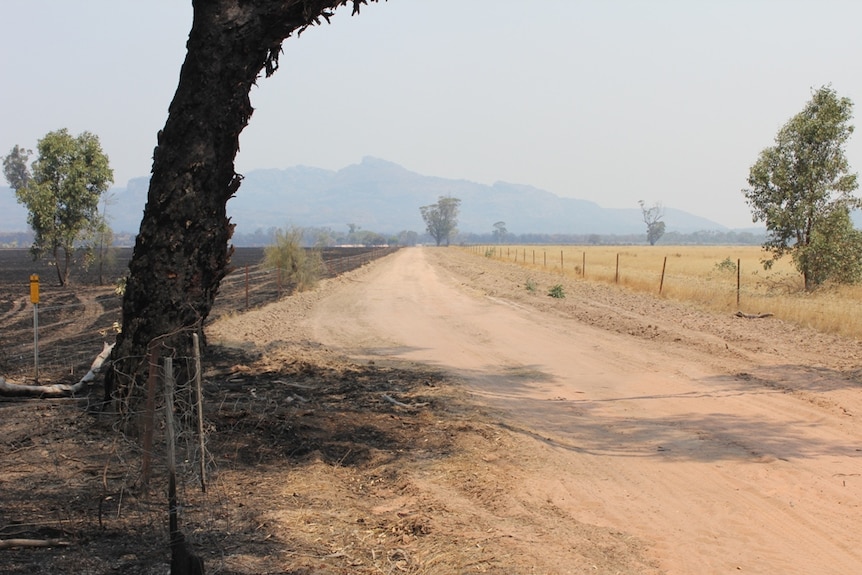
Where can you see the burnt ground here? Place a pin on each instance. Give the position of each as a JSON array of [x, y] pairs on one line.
[[71, 480], [66, 474], [74, 320]]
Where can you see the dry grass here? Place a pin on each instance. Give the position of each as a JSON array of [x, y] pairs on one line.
[[702, 275]]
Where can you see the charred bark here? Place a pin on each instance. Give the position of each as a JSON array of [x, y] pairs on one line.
[[182, 251]]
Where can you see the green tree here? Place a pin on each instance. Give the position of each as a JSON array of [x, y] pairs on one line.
[[802, 189], [834, 252], [441, 219], [16, 168], [652, 218], [62, 194]]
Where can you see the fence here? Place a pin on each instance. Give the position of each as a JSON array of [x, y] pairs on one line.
[[723, 277], [73, 323]]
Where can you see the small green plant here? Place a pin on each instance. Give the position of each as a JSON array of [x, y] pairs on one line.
[[557, 292], [726, 265], [490, 252], [530, 285]]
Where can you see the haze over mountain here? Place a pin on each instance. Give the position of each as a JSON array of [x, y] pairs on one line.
[[384, 197]]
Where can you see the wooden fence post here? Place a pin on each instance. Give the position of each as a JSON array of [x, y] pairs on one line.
[[738, 280], [617, 274], [149, 412], [200, 405], [661, 284]]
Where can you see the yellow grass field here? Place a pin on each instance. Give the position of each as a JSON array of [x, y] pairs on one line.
[[703, 275]]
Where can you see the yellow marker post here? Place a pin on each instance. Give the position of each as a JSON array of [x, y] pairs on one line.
[[34, 289], [34, 299]]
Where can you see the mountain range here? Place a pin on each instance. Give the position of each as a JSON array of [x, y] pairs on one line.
[[384, 197]]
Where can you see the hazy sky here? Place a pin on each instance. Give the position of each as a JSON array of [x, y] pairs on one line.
[[606, 100]]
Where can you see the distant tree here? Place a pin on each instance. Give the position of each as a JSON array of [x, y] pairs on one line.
[[61, 194], [16, 168], [802, 189], [408, 238], [499, 232], [321, 237], [368, 238], [652, 218], [441, 219]]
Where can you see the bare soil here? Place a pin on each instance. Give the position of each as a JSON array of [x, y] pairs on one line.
[[437, 412]]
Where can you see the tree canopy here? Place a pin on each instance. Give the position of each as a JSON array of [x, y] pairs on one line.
[[62, 193], [802, 189], [16, 168], [441, 219]]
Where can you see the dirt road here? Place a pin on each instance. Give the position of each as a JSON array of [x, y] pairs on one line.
[[733, 447]]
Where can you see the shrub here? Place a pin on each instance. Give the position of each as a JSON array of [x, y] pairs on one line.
[[301, 267], [557, 292], [726, 265]]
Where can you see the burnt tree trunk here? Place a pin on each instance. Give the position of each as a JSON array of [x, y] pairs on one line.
[[182, 251]]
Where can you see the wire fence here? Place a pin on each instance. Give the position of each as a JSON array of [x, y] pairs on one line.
[[693, 273], [57, 339], [167, 453]]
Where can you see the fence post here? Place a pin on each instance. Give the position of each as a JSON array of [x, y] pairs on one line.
[[661, 284], [149, 412], [617, 274], [170, 439], [738, 279], [246, 288], [200, 401], [562, 267], [170, 435], [34, 299], [584, 265]]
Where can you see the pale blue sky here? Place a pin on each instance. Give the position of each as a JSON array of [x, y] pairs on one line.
[[611, 101]]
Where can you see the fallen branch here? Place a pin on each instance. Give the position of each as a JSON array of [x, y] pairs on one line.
[[753, 315], [58, 389], [400, 404]]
